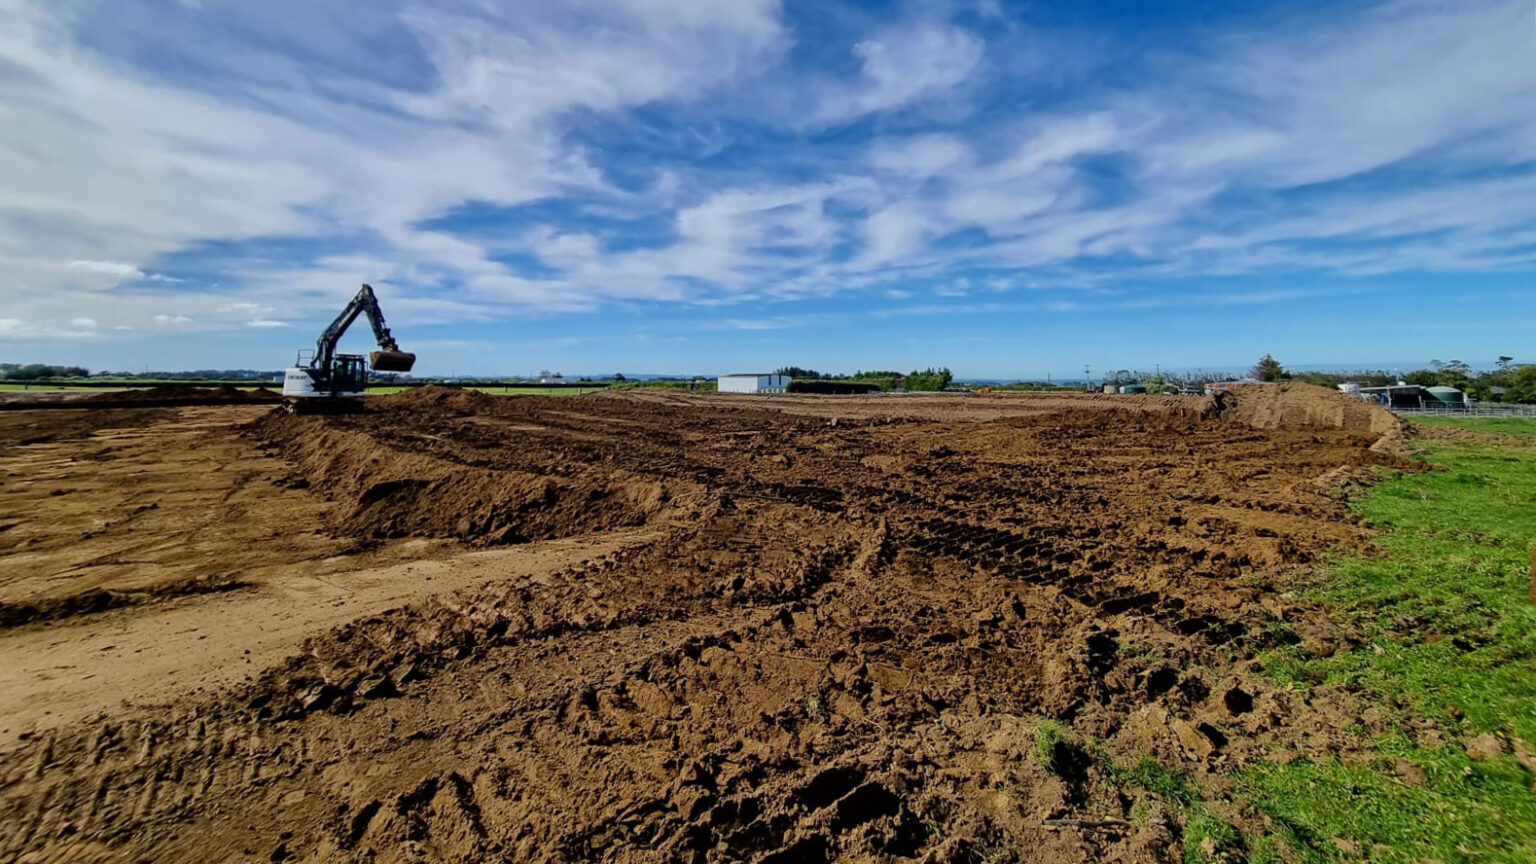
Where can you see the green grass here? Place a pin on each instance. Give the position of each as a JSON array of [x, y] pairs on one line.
[[1514, 426], [1048, 736], [1451, 632]]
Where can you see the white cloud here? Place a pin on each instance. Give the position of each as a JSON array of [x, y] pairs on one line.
[[266, 322], [765, 322], [83, 322], [895, 232], [109, 268], [172, 320], [920, 155], [1204, 144], [167, 166], [904, 66], [19, 330]]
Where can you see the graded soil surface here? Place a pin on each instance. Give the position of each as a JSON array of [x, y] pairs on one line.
[[656, 626]]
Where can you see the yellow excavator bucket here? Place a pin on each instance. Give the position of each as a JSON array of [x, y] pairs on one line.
[[391, 361]]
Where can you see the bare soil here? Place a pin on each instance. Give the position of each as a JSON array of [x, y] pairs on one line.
[[658, 626]]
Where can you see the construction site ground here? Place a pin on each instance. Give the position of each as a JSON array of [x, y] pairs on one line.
[[659, 626]]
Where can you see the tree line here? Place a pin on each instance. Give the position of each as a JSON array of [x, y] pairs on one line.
[[930, 379], [40, 371]]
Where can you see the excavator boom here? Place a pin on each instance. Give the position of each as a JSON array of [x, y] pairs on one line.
[[389, 357]]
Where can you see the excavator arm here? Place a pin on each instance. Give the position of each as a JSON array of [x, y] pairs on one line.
[[389, 357]]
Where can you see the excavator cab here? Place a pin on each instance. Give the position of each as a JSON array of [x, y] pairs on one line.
[[348, 375]]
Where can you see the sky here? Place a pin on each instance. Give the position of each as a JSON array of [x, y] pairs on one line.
[[592, 186]]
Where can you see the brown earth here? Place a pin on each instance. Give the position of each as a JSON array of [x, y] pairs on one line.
[[159, 396], [790, 629]]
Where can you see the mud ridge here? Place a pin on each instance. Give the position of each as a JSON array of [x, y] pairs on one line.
[[97, 600]]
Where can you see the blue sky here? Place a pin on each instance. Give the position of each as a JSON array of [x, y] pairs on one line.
[[1010, 189]]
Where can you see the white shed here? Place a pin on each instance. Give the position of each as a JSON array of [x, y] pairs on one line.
[[753, 382]]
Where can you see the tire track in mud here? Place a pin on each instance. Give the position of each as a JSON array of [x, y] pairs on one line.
[[136, 776]]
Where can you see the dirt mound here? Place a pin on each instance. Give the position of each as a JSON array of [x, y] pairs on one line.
[[395, 493], [1297, 405], [177, 394], [161, 396], [442, 399]]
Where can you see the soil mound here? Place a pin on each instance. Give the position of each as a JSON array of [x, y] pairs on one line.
[[177, 394], [397, 493], [1298, 405], [442, 399], [160, 396]]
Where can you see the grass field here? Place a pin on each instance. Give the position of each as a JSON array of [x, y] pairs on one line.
[[1450, 633]]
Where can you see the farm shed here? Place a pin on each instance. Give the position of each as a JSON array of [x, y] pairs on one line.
[[753, 382], [1400, 396]]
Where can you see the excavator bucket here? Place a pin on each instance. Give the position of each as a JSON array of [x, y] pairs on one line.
[[391, 361]]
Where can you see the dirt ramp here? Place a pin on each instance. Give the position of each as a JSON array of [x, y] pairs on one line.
[[1297, 405], [401, 494]]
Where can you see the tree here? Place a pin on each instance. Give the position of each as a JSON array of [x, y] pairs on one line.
[[38, 371], [1455, 373], [1523, 387], [1504, 361], [619, 376], [797, 372], [1268, 369], [929, 379]]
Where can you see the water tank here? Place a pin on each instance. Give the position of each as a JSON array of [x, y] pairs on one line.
[[1133, 388], [1448, 396]]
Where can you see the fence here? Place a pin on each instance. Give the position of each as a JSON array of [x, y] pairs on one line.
[[1527, 412]]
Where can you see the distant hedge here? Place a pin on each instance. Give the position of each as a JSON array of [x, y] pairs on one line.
[[695, 384], [929, 379], [833, 388]]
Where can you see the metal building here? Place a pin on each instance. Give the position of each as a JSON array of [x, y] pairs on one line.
[[753, 382]]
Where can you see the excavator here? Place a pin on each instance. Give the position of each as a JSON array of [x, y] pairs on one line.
[[322, 380]]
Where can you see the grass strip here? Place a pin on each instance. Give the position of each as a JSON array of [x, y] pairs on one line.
[[1450, 631]]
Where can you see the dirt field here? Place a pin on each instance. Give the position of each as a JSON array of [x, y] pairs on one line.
[[656, 626]]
